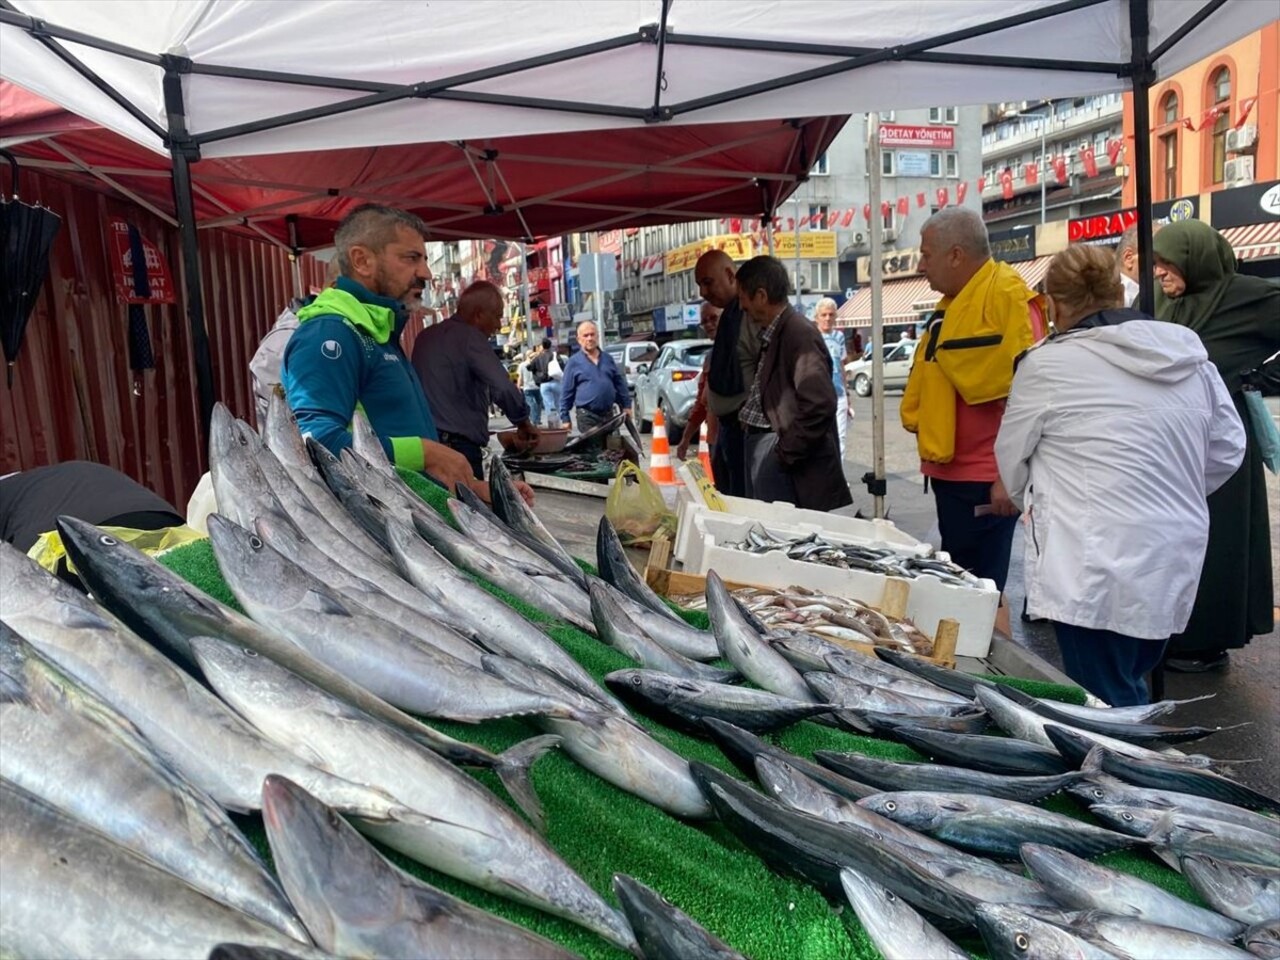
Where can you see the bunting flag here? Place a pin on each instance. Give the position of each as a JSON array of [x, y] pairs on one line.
[[962, 190], [847, 218], [1114, 149], [1211, 115], [866, 212], [1246, 105], [1090, 162], [921, 201], [1060, 169], [943, 196], [833, 218], [904, 206], [982, 184], [886, 208], [735, 225], [1006, 183], [791, 224], [1030, 174]]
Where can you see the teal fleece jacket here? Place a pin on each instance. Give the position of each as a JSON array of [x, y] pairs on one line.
[[346, 355]]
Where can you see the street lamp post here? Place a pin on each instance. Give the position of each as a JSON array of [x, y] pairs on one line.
[[1044, 160]]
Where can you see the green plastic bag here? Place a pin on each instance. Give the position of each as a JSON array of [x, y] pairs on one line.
[[636, 509]]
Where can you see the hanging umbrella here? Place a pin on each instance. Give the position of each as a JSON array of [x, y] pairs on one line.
[[26, 236]]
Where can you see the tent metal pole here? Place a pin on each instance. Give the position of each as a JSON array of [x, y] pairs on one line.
[[1143, 74], [295, 254], [183, 152], [875, 480], [660, 81], [1200, 16]]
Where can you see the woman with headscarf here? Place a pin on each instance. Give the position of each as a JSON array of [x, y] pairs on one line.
[[1238, 320], [1115, 536]]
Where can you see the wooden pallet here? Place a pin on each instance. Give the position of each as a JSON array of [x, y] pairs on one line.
[[674, 583]]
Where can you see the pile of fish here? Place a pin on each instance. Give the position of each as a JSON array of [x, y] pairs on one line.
[[851, 556], [132, 724], [841, 619]]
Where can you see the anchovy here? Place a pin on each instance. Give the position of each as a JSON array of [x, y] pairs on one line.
[[358, 904], [1011, 934], [1245, 892], [1001, 755], [743, 748], [1176, 834], [1150, 941], [616, 570], [1075, 882], [69, 891], [50, 725], [897, 930], [684, 703], [1099, 788], [994, 827], [887, 775], [744, 647], [663, 931], [453, 824]]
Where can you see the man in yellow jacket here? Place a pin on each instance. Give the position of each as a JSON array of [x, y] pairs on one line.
[[959, 380]]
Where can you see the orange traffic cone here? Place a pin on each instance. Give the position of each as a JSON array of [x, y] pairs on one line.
[[660, 469], [704, 452]]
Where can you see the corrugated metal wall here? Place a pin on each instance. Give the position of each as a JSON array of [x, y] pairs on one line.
[[73, 395]]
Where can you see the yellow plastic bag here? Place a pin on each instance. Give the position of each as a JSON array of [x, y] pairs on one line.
[[48, 550], [636, 509]]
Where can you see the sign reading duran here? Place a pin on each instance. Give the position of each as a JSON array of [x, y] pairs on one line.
[[1107, 227], [158, 278], [911, 163], [902, 135], [1244, 206], [1013, 246]]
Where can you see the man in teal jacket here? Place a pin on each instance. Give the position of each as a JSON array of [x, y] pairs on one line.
[[346, 351]]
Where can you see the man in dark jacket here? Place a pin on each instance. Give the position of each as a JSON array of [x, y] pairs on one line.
[[789, 417], [731, 369]]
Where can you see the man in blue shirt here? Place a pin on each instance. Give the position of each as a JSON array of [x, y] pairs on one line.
[[824, 314], [346, 351], [592, 383]]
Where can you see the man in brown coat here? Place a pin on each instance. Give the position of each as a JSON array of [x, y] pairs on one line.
[[789, 417]]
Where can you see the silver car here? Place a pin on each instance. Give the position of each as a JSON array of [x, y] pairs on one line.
[[671, 383], [629, 355], [897, 366]]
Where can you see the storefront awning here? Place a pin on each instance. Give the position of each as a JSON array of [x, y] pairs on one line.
[[1257, 241], [907, 298]]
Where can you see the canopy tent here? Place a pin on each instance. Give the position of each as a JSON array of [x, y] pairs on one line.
[[241, 79]]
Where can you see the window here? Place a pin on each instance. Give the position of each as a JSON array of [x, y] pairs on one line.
[[822, 167], [818, 217], [935, 114], [953, 165], [1169, 164], [1220, 93], [949, 115], [888, 220], [886, 116], [1169, 108], [821, 276], [887, 163], [935, 164]]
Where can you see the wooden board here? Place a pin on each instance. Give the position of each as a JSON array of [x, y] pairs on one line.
[[675, 583]]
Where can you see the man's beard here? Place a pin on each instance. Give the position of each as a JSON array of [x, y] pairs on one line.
[[411, 296]]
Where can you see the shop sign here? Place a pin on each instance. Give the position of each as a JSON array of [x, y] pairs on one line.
[[159, 283], [692, 314], [652, 266], [737, 246], [610, 242], [903, 135], [1245, 206], [911, 163], [814, 245], [1013, 246], [1103, 227], [894, 265]]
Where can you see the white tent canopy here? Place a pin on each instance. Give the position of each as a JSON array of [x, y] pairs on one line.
[[469, 69]]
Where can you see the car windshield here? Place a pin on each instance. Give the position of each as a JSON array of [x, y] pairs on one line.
[[694, 356]]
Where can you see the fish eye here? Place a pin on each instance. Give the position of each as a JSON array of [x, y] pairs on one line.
[[255, 542], [888, 895], [1126, 816], [250, 653], [891, 805], [1022, 942], [107, 541], [1099, 794], [635, 681]]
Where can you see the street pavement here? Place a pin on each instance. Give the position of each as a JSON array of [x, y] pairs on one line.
[[1246, 692]]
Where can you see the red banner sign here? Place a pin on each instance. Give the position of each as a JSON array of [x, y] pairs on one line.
[[902, 135], [158, 278], [1102, 226]]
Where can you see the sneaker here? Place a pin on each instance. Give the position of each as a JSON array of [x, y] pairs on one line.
[[1217, 661]]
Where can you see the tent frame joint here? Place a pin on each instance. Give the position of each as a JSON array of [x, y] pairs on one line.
[[649, 33], [174, 64]]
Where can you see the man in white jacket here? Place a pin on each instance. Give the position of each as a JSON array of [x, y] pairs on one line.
[[1116, 430]]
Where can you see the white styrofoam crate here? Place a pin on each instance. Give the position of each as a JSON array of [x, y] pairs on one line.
[[928, 600]]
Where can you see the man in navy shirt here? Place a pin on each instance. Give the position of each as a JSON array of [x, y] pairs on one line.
[[592, 384]]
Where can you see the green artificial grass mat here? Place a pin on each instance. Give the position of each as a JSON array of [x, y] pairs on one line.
[[600, 830]]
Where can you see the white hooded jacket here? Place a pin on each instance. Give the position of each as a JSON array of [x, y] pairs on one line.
[[1112, 439]]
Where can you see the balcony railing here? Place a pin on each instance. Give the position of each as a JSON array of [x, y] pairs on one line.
[[1081, 120]]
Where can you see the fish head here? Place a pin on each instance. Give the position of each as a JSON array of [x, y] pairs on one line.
[[636, 685], [920, 811], [219, 659], [1095, 789], [869, 898], [1135, 821], [645, 908], [1012, 935], [261, 573], [780, 779], [109, 566]]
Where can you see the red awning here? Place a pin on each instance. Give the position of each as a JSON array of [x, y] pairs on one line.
[[1257, 241]]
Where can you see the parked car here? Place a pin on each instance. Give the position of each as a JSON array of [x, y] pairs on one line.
[[628, 355], [670, 383], [897, 365]]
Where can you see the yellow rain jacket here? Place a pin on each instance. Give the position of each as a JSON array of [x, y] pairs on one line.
[[968, 353]]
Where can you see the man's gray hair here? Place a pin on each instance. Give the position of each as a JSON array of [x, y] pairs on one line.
[[960, 227], [1128, 241], [374, 226], [475, 296], [823, 304]]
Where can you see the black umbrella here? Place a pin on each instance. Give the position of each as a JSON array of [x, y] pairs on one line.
[[26, 236]]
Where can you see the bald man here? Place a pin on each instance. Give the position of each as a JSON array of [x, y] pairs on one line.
[[731, 369], [593, 385]]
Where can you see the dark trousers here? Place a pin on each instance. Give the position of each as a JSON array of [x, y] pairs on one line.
[[979, 544], [729, 459], [589, 420], [468, 448], [1109, 665], [766, 480]]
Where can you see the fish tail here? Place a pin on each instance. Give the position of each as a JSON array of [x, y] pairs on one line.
[[513, 768]]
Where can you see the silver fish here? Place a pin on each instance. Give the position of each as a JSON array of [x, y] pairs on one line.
[[1176, 834], [367, 446], [1263, 939], [894, 926], [747, 650], [673, 633], [238, 485], [1150, 941], [851, 694], [871, 671], [663, 931], [69, 891], [61, 743], [616, 569], [454, 824], [1099, 788], [359, 904], [1245, 892], [1011, 934], [888, 775]]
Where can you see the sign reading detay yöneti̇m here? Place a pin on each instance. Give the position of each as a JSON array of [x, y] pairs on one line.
[[1245, 206], [905, 135]]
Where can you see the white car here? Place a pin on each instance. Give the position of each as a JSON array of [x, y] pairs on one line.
[[897, 366]]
